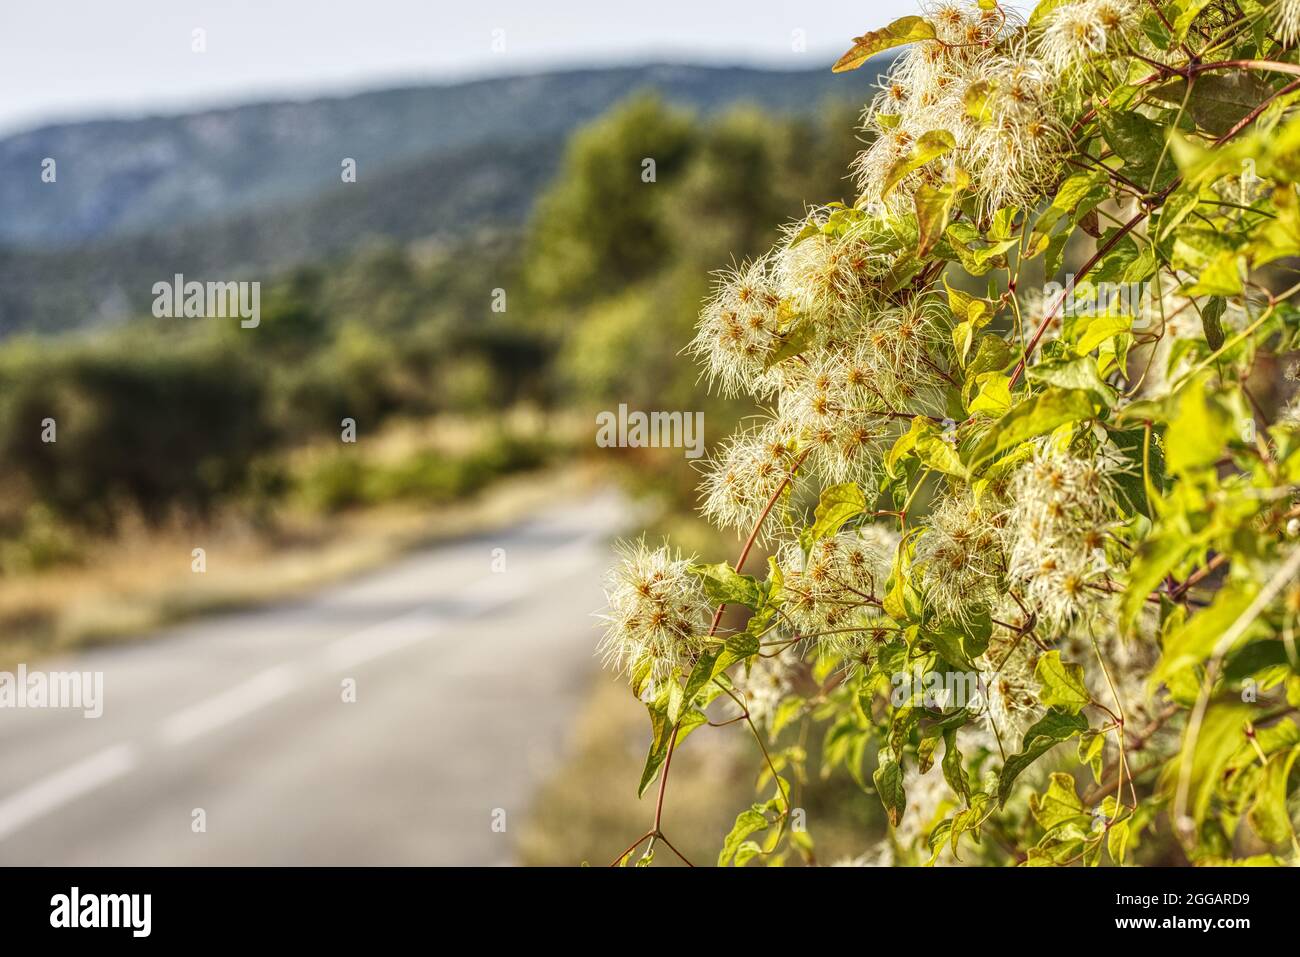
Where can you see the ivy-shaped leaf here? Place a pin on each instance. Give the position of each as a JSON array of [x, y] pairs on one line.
[[725, 586], [903, 30], [838, 504], [1036, 416], [747, 822], [888, 780], [1062, 681], [1050, 730], [928, 146]]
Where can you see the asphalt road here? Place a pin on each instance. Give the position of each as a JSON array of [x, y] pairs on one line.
[[466, 680]]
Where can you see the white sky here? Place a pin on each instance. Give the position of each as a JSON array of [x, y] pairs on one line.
[[72, 59]]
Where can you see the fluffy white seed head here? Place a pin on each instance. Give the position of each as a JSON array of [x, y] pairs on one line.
[[1286, 19], [961, 554], [824, 274], [1012, 692], [1057, 530], [738, 329], [745, 474], [657, 612], [996, 100], [766, 685], [1076, 33], [835, 591]]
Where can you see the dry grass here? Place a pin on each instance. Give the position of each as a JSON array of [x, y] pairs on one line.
[[142, 578], [589, 812]]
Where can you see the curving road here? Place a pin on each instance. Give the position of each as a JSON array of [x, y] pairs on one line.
[[466, 680]]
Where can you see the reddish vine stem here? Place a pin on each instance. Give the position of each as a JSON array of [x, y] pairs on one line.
[[1139, 740], [1059, 303], [1192, 69], [1199, 575], [656, 831]]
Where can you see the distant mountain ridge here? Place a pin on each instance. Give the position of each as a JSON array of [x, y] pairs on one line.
[[256, 189], [119, 177]]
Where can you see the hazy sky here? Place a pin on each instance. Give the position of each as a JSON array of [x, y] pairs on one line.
[[63, 59]]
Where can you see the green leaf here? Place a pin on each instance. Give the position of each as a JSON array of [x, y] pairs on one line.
[[955, 645], [1200, 429], [1211, 321], [1190, 10], [1155, 558], [1195, 641], [934, 451], [888, 780], [933, 207], [838, 504], [906, 444], [1092, 749], [1198, 247], [928, 146], [1050, 730], [901, 602], [661, 729], [1255, 657], [1221, 734], [1224, 275], [724, 585], [747, 851], [1042, 9], [1218, 100], [1055, 252], [994, 394], [1117, 841], [1101, 329], [1177, 207], [1063, 684], [1078, 373], [1137, 140], [1268, 814], [1077, 195], [991, 355], [953, 771], [1059, 805], [747, 822], [718, 659], [977, 254], [902, 30], [1037, 416], [975, 314]]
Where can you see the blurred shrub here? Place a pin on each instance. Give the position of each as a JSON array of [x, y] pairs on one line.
[[167, 415], [42, 542], [148, 429], [601, 226], [346, 479]]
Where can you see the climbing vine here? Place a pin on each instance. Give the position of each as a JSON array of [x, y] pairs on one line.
[[1024, 461]]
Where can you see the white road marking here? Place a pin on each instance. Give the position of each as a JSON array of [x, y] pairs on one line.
[[276, 682], [230, 705], [64, 786], [381, 639]]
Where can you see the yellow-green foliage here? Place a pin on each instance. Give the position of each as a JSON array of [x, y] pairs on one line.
[[1044, 608]]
